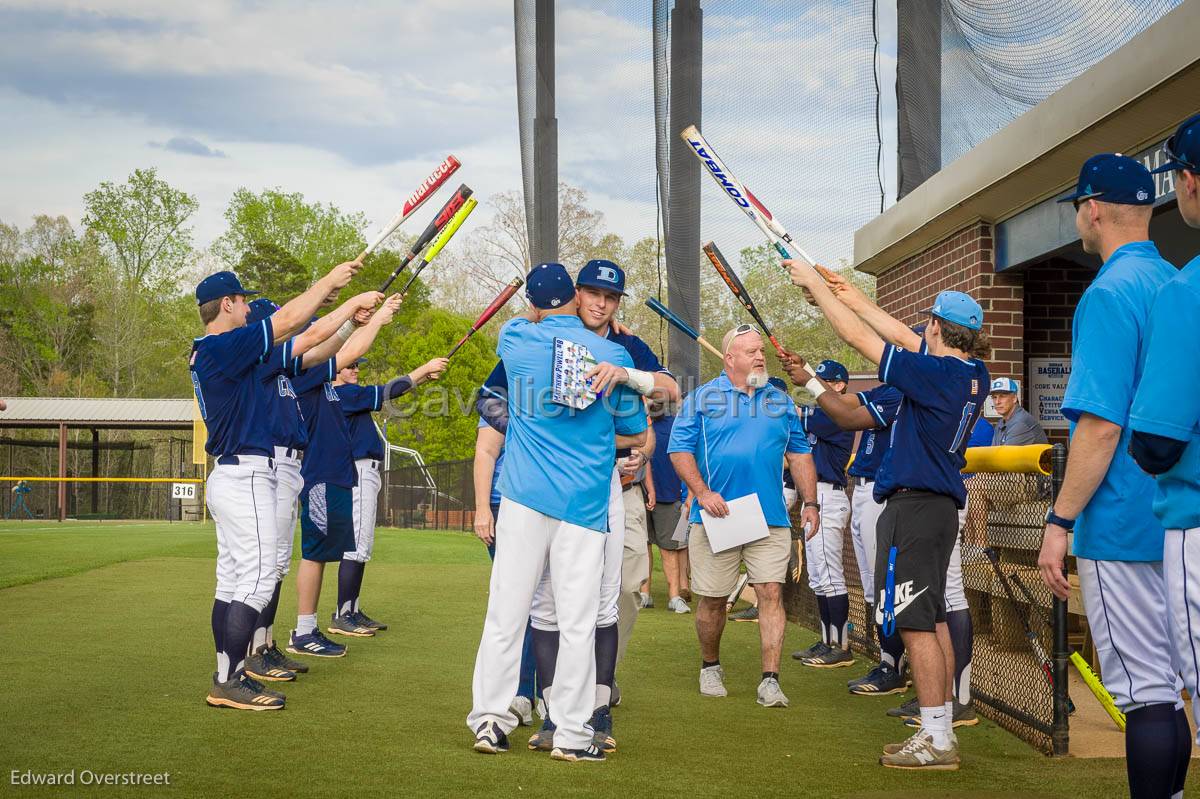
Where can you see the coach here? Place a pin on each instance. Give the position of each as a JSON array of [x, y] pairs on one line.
[[728, 441]]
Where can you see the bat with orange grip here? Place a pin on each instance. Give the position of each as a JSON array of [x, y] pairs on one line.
[[739, 291]]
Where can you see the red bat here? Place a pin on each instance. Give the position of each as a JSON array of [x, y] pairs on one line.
[[490, 311], [432, 229], [427, 189]]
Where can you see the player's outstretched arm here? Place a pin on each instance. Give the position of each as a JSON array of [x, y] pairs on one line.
[[883, 323], [845, 411], [295, 314], [362, 339], [845, 322], [324, 337]]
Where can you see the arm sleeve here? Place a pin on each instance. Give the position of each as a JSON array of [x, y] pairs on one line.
[[360, 399], [797, 438], [918, 376], [396, 388], [685, 433], [313, 378], [238, 351], [1167, 402], [1104, 359]]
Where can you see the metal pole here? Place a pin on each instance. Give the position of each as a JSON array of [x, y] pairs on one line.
[[1060, 733], [544, 246], [62, 471]]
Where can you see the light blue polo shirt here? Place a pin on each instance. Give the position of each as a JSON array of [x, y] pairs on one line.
[[1107, 357], [739, 441], [1167, 402], [559, 460]]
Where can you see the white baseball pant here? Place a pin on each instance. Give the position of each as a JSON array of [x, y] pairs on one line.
[[241, 500], [826, 575], [365, 498], [956, 595], [635, 566], [863, 519], [526, 541], [1126, 605], [1181, 568], [287, 494]]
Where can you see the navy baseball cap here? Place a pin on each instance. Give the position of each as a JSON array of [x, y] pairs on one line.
[[260, 309], [221, 284], [601, 274], [831, 371], [549, 286], [778, 383], [1113, 178], [357, 362], [959, 308], [1183, 149]]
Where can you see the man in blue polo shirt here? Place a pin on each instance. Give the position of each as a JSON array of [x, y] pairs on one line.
[[1105, 497], [729, 439], [944, 385], [1166, 421], [555, 491]]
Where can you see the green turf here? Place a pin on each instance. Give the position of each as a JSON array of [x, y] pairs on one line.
[[108, 653]]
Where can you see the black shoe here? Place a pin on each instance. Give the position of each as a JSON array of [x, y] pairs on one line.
[[277, 658], [244, 694], [367, 621], [590, 754], [261, 667], [490, 739]]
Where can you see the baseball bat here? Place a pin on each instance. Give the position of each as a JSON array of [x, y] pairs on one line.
[[1090, 678], [427, 189], [739, 291], [675, 321], [775, 232], [443, 238], [431, 230], [501, 300]]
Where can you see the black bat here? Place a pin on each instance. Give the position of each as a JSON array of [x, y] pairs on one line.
[[431, 230], [735, 285]]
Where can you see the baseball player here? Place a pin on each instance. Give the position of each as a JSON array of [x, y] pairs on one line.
[[326, 499], [826, 576], [1166, 432], [357, 403], [944, 385], [241, 487], [316, 343], [554, 511], [1105, 498]]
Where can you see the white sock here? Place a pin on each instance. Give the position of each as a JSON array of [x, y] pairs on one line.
[[934, 722], [271, 633], [345, 608], [259, 640], [306, 624], [950, 714], [355, 608], [603, 695]]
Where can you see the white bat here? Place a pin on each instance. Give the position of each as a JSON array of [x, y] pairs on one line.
[[427, 189]]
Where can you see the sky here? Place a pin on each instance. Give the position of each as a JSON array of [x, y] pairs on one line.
[[353, 103]]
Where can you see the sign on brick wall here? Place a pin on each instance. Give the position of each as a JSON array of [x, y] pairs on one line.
[[1047, 380]]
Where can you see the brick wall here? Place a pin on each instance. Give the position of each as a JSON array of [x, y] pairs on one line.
[[963, 261]]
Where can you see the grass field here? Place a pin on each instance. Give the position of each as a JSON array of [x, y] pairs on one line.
[[108, 654]]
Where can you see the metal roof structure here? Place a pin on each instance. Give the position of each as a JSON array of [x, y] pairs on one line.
[[109, 413]]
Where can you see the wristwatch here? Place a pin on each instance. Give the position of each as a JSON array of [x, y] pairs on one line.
[[816, 505], [1055, 519]]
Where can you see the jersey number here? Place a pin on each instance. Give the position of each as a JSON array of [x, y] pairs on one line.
[[964, 423]]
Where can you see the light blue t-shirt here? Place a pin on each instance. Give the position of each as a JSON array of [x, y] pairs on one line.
[[739, 442], [559, 460], [1168, 398], [1108, 355], [494, 499]]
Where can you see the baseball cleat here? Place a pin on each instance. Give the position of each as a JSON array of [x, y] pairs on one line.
[[314, 644], [260, 667], [590, 754], [243, 693], [602, 723], [490, 739], [543, 739], [880, 681], [831, 658], [712, 681], [891, 749], [919, 753], [522, 708], [748, 614], [277, 658], [910, 708], [346, 625], [817, 648], [367, 621], [964, 716], [770, 694]]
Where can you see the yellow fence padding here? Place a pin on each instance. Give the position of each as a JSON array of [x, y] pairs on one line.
[[1027, 459]]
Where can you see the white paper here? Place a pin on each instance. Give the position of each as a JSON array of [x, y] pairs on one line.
[[745, 524], [680, 536]]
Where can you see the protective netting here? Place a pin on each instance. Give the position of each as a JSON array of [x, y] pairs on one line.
[[1001, 58]]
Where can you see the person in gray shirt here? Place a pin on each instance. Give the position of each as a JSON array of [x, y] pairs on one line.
[[1017, 425]]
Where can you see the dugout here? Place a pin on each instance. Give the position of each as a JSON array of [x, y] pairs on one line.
[[89, 458], [988, 223]]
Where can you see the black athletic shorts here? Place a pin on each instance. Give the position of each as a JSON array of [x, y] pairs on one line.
[[326, 522], [922, 526]]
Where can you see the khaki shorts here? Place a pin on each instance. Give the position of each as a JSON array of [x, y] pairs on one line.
[[716, 574]]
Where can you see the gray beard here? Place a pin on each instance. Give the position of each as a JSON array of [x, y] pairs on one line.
[[757, 379]]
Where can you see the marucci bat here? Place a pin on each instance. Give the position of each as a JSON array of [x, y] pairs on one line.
[[675, 321], [501, 300], [427, 189], [431, 230]]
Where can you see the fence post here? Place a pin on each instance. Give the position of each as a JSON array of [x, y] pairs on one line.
[[1060, 732]]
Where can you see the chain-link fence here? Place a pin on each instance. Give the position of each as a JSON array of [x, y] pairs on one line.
[[1005, 516], [162, 499], [437, 496]]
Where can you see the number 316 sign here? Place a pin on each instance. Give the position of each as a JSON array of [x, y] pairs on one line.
[[183, 490]]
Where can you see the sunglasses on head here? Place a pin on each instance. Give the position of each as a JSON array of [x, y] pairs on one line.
[[740, 329], [1078, 201]]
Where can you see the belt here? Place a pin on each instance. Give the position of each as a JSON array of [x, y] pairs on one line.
[[862, 481], [236, 460], [289, 453], [833, 485]]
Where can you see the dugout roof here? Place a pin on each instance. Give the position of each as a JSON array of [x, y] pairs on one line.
[[110, 413], [1130, 101]]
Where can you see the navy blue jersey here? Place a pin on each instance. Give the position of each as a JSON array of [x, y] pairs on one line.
[[667, 485], [830, 443], [882, 402], [230, 402], [943, 397], [275, 386], [327, 458], [358, 402]]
